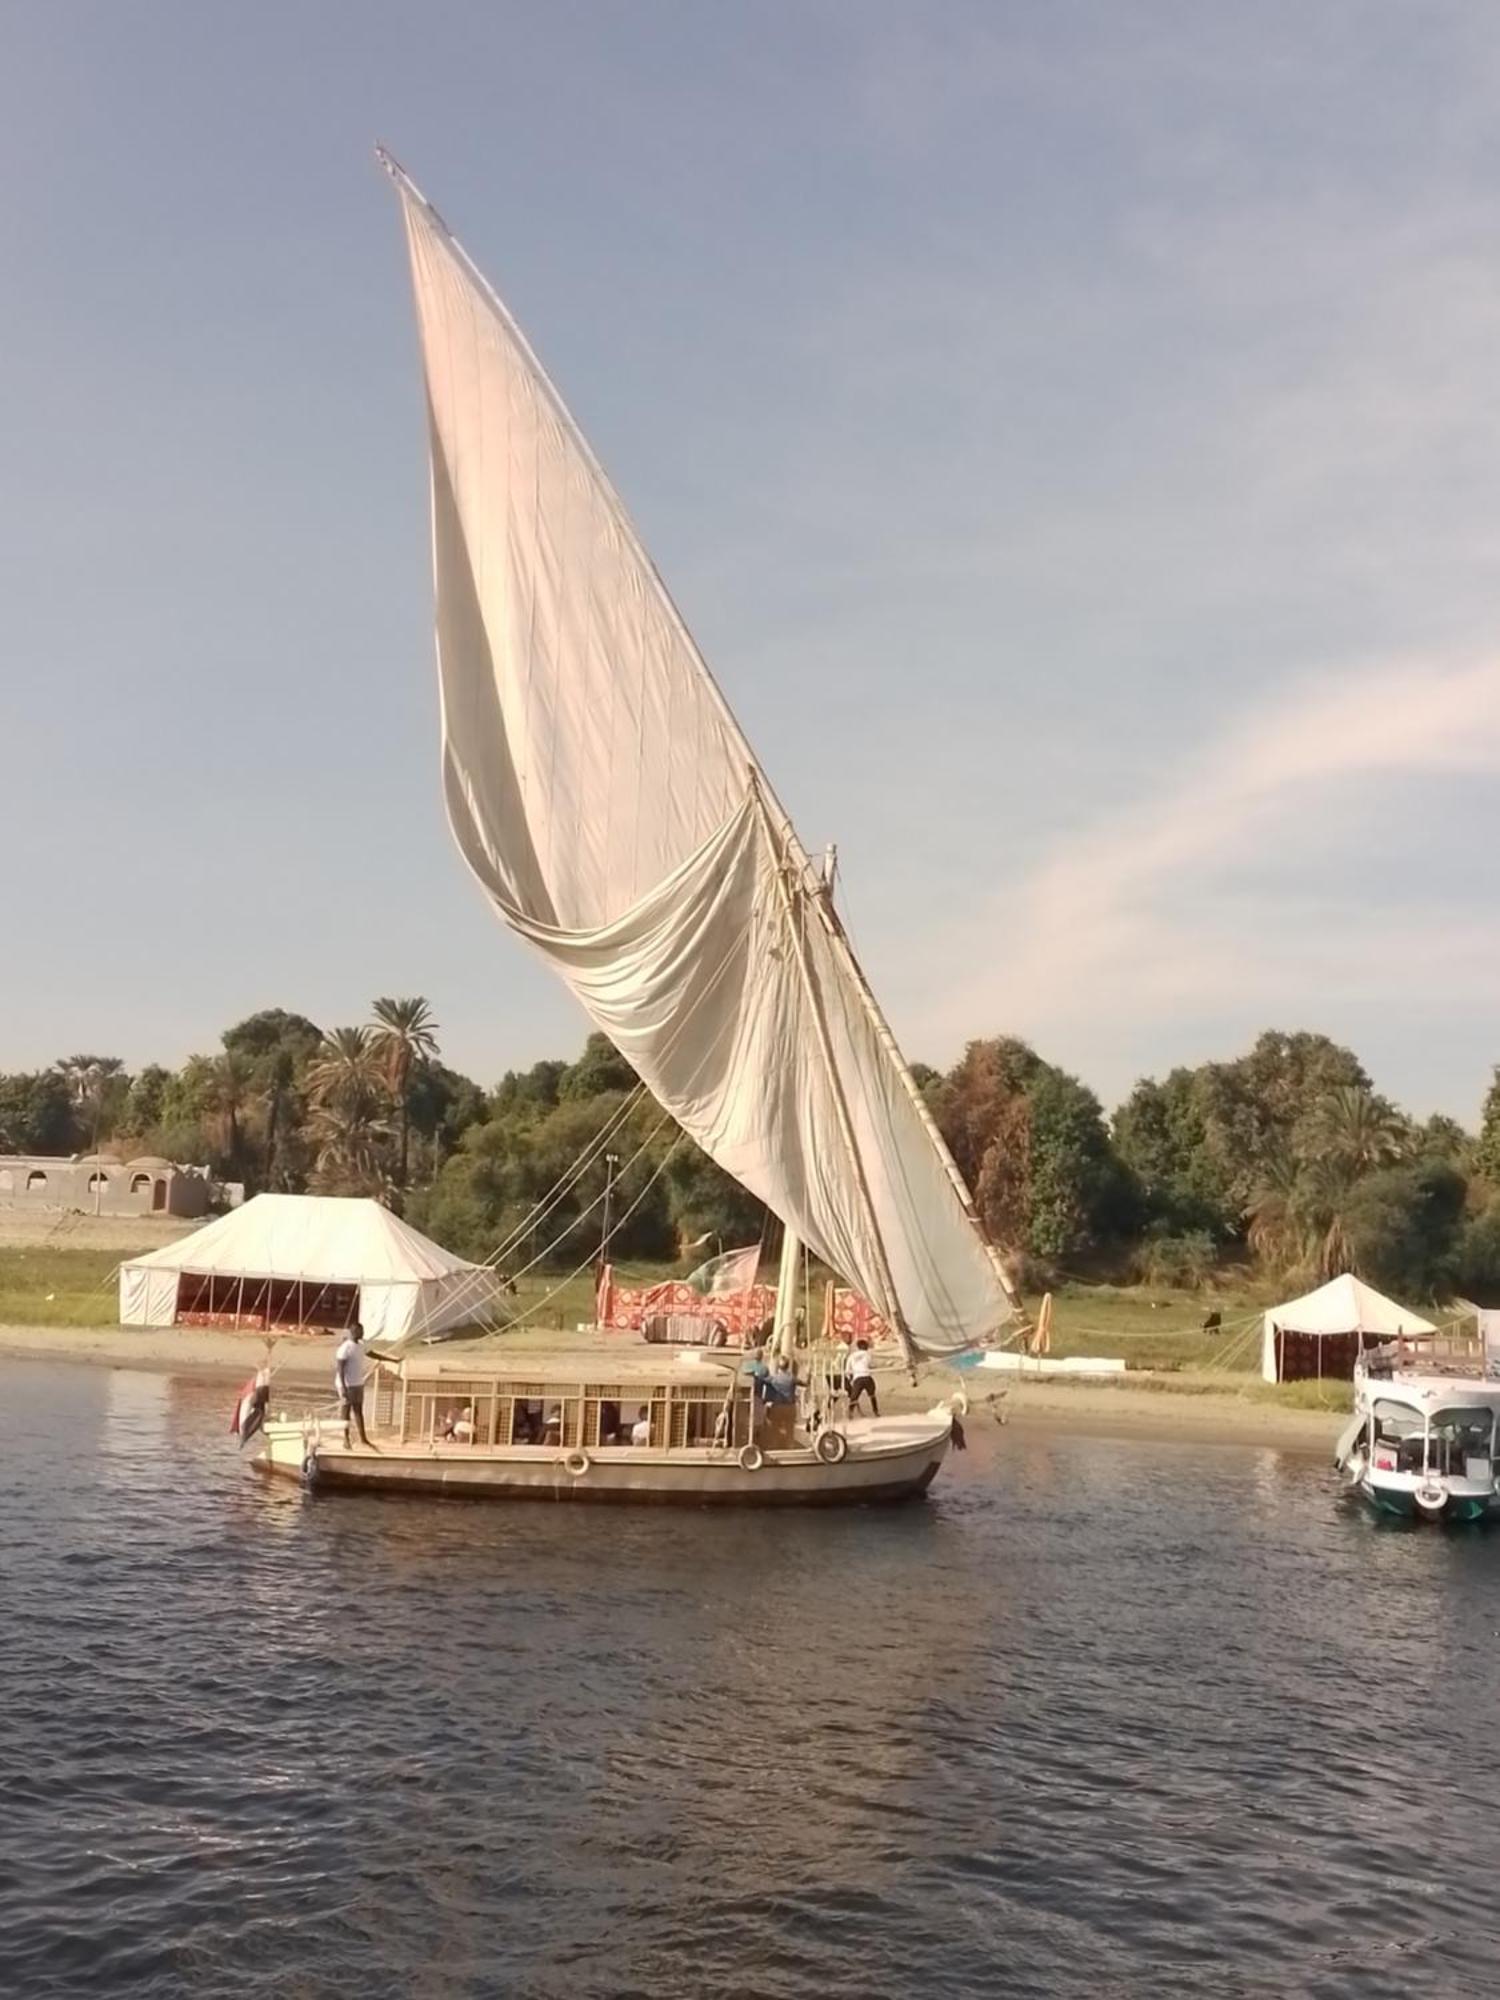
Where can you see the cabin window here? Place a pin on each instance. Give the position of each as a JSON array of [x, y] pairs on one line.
[[98, 1183], [1456, 1436], [36, 1181], [527, 1413], [604, 1416], [699, 1418], [139, 1183], [1394, 1421]]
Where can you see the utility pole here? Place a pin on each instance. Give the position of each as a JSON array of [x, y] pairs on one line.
[[611, 1167]]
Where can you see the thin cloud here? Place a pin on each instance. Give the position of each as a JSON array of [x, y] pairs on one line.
[[1146, 913]]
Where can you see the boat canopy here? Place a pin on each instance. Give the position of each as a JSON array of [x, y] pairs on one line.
[[604, 796]]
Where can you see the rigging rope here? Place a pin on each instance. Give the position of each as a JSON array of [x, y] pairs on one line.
[[592, 1152]]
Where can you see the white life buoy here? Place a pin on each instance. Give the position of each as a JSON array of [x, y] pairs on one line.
[[578, 1463], [752, 1458], [1430, 1497], [832, 1447]]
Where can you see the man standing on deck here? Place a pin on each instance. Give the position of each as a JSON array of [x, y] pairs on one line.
[[862, 1378], [350, 1367]]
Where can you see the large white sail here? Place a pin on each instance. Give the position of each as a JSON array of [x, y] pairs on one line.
[[601, 791]]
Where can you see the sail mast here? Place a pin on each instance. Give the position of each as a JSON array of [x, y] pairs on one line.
[[889, 1306]]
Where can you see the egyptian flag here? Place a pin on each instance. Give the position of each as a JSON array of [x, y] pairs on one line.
[[250, 1407]]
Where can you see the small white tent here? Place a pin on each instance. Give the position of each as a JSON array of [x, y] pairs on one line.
[[307, 1260], [1319, 1334]]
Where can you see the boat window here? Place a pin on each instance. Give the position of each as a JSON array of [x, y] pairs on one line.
[[604, 1415], [696, 1417], [1472, 1421], [1394, 1421], [1458, 1435]]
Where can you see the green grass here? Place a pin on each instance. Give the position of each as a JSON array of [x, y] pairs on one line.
[[1154, 1328], [63, 1286]]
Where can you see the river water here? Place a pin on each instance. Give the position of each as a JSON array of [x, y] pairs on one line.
[[1099, 1717]]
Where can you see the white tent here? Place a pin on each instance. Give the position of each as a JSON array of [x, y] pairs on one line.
[[1340, 1311], [303, 1259]]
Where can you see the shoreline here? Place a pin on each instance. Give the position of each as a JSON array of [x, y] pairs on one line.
[[1153, 1409]]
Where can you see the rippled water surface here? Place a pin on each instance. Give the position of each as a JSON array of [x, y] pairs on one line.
[[1100, 1717]]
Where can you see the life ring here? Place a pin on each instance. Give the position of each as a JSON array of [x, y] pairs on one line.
[[1430, 1497], [578, 1463], [752, 1458], [832, 1447]]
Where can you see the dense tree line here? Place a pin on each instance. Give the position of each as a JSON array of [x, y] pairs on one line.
[[1285, 1162]]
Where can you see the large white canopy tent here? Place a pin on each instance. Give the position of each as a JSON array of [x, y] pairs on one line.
[[304, 1259], [1320, 1333]]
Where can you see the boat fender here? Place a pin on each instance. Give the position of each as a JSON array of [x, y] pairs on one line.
[[578, 1463], [752, 1458], [958, 1403], [1430, 1497], [310, 1469], [956, 1432], [832, 1447]]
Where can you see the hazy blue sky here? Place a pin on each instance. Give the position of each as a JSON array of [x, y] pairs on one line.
[[1073, 432]]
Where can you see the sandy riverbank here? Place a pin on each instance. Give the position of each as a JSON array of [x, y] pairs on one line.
[[1146, 1407]]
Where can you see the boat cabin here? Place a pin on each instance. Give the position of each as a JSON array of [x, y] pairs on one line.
[[599, 1402], [1454, 1441]]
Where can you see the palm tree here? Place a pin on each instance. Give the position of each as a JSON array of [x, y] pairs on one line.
[[1277, 1234], [347, 1071], [226, 1093], [278, 1108], [89, 1080], [1355, 1129], [1325, 1189], [350, 1142], [405, 1039]]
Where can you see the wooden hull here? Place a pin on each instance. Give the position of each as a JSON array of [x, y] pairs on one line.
[[889, 1459]]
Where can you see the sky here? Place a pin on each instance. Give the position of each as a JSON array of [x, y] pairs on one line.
[[1072, 433]]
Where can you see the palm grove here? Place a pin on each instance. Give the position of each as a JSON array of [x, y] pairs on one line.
[[1285, 1160]]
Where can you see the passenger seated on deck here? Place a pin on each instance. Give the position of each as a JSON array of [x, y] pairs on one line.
[[458, 1425], [527, 1427], [640, 1430], [552, 1428], [609, 1422]]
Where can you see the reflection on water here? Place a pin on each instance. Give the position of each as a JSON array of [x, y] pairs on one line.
[[1102, 1717]]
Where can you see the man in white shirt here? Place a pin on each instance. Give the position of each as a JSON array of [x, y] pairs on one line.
[[862, 1378], [351, 1366], [640, 1430]]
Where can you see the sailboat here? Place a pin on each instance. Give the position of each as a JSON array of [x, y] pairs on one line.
[[605, 798]]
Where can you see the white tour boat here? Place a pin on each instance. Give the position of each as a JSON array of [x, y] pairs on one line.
[[1422, 1440]]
